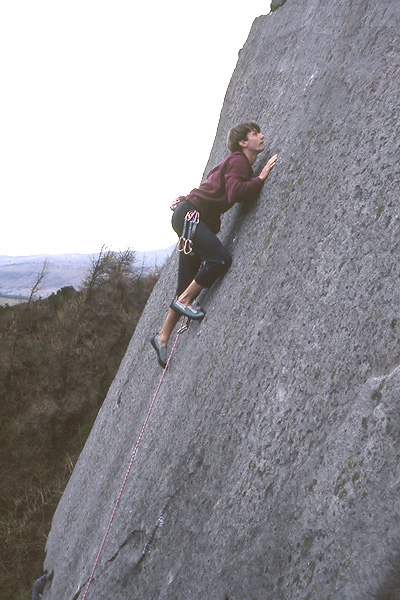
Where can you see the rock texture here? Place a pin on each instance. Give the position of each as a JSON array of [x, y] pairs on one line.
[[270, 465]]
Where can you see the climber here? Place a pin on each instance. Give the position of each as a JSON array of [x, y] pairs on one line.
[[40, 584], [197, 220]]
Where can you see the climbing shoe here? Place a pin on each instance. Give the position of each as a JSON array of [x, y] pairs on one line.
[[160, 349], [187, 311]]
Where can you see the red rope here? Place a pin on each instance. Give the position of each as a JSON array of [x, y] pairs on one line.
[[96, 562]]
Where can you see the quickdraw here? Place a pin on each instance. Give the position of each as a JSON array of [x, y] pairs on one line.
[[190, 223]]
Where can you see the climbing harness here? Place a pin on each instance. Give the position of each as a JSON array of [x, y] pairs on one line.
[[190, 223], [184, 326]]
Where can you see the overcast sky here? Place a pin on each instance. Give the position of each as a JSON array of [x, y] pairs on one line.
[[108, 111]]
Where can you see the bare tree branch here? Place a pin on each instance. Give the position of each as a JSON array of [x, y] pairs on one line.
[[37, 286]]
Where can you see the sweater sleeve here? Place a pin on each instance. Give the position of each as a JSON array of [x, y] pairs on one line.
[[239, 184]]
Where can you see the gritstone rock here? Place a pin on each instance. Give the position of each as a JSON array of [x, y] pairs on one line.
[[275, 4], [270, 465]]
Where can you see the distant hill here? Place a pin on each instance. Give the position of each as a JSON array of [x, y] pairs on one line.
[[19, 273]]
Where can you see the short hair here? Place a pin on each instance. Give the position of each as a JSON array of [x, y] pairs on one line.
[[239, 133]]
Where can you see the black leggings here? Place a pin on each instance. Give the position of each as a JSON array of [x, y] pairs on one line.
[[210, 259]]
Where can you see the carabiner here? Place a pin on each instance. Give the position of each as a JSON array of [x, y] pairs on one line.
[[181, 243], [188, 247], [184, 327]]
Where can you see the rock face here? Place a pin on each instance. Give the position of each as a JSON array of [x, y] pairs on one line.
[[275, 4], [270, 465]]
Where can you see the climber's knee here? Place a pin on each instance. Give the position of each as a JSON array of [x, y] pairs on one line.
[[212, 270]]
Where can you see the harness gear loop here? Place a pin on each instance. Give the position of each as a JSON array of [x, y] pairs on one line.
[[184, 327], [185, 244]]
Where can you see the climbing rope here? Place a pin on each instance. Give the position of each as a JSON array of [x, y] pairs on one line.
[[185, 324]]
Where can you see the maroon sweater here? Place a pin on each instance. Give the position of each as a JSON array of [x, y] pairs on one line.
[[230, 182]]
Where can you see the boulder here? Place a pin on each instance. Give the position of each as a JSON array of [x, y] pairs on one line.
[[269, 468]]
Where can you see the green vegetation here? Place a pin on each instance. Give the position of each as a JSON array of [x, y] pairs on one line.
[[58, 357]]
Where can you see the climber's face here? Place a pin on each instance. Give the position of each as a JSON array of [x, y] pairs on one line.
[[254, 142]]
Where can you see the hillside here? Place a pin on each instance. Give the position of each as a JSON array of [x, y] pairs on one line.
[[58, 357], [269, 467], [19, 273]]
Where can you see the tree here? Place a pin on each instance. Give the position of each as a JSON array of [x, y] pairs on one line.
[[37, 286]]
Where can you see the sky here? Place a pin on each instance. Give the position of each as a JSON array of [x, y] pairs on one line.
[[108, 111]]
